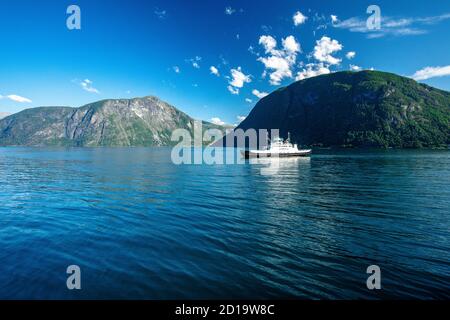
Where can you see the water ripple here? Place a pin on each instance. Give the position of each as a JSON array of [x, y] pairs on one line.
[[141, 227]]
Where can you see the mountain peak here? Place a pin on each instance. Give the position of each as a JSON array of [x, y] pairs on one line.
[[366, 108], [146, 121]]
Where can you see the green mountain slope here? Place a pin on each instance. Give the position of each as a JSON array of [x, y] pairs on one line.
[[366, 108], [136, 122]]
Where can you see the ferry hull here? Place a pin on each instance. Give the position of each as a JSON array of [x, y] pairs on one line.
[[249, 154]]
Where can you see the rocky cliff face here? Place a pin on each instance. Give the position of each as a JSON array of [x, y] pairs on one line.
[[367, 108], [136, 122]]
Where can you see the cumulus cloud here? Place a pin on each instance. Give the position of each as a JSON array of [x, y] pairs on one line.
[[324, 49], [248, 100], [240, 118], [16, 98], [334, 18], [291, 45], [431, 72], [259, 94], [350, 55], [355, 68], [279, 62], [299, 18], [214, 71], [281, 68], [268, 42], [312, 70], [87, 85], [237, 80], [217, 121]]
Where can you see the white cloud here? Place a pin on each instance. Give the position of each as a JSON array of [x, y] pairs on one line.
[[431, 72], [229, 11], [248, 100], [238, 79], [268, 42], [334, 18], [176, 69], [312, 70], [217, 121], [87, 86], [279, 62], [281, 67], [214, 71], [233, 90], [350, 55], [299, 18], [355, 68], [240, 118], [391, 26], [291, 45], [324, 49], [259, 94], [195, 62], [16, 98]]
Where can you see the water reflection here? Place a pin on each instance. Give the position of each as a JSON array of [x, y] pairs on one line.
[[280, 167]]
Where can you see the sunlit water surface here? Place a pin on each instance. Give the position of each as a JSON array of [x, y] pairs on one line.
[[141, 227]]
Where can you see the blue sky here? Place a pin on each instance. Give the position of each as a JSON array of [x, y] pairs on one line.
[[167, 48]]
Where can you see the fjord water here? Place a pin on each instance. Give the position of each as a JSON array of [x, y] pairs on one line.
[[141, 227]]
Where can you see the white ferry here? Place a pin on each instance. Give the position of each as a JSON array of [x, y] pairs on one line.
[[278, 148]]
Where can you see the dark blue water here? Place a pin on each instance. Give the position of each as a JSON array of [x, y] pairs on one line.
[[140, 227]]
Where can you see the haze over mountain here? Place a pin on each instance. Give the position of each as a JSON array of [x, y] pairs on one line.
[[135, 122], [4, 115], [360, 109]]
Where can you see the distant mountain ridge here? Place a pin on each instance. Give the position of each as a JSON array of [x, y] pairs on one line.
[[353, 109], [357, 109], [144, 121]]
